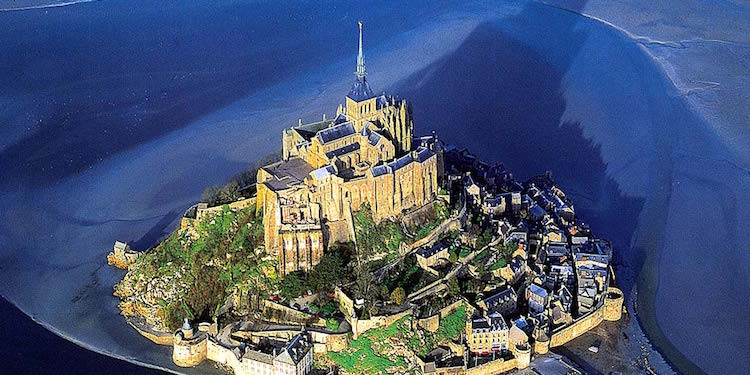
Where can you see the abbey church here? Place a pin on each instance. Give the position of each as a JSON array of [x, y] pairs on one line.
[[330, 168]]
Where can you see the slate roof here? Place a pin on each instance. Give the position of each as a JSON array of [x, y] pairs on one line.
[[360, 90], [323, 172], [381, 170], [430, 251], [308, 131], [538, 290], [372, 137], [294, 351], [342, 150], [336, 132]]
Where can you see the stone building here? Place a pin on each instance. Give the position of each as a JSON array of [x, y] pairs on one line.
[[332, 167], [487, 334], [269, 357]]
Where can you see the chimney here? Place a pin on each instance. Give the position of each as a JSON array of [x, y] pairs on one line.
[[324, 116], [299, 121]]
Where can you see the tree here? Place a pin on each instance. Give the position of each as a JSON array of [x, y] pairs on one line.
[[453, 287], [329, 272], [384, 292], [291, 286], [398, 295]]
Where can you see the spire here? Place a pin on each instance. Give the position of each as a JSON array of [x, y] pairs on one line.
[[361, 57]]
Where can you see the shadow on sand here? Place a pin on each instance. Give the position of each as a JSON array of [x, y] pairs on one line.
[[503, 100]]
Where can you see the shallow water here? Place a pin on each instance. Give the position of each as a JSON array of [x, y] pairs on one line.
[[104, 143]]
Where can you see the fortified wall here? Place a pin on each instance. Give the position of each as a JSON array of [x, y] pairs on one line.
[[611, 310]]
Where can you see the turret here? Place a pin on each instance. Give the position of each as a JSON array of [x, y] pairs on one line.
[[187, 329]]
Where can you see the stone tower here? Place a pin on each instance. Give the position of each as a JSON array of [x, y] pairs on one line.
[[392, 115], [360, 101]]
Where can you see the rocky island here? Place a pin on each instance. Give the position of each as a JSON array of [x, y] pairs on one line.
[[362, 248]]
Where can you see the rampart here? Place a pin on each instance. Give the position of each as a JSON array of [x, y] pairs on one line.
[[432, 322], [498, 366], [360, 326], [278, 313], [202, 210], [610, 310], [323, 342]]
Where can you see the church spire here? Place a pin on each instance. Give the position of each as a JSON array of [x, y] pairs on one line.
[[361, 57]]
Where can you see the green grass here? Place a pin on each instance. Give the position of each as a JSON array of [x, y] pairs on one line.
[[499, 264], [332, 324], [366, 355], [452, 325], [363, 355]]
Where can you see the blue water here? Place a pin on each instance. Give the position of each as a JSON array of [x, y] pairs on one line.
[[116, 115]]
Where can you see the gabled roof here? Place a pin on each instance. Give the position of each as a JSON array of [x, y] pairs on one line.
[[372, 137], [336, 132], [538, 290], [380, 170], [342, 150]]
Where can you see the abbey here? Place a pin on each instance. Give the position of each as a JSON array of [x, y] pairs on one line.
[[331, 168]]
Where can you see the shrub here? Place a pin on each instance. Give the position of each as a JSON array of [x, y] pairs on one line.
[[398, 296], [332, 324]]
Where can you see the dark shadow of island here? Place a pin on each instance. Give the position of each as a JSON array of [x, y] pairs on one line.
[[503, 99]]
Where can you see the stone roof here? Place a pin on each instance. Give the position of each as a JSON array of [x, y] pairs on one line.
[[287, 173], [258, 356]]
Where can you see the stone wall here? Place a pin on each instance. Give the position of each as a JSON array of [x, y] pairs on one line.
[[613, 304], [202, 212], [278, 313], [323, 342], [430, 323], [346, 304], [156, 337], [364, 325], [494, 367], [447, 225], [338, 231], [224, 356]]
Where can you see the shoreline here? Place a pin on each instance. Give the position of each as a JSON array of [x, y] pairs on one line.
[[646, 280], [90, 348]]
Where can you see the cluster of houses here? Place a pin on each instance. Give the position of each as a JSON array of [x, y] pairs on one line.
[[549, 269]]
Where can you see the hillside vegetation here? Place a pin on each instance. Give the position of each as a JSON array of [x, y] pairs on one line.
[[192, 272]]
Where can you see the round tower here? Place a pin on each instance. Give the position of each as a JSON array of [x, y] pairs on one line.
[[523, 355], [541, 344], [613, 304], [188, 347]]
